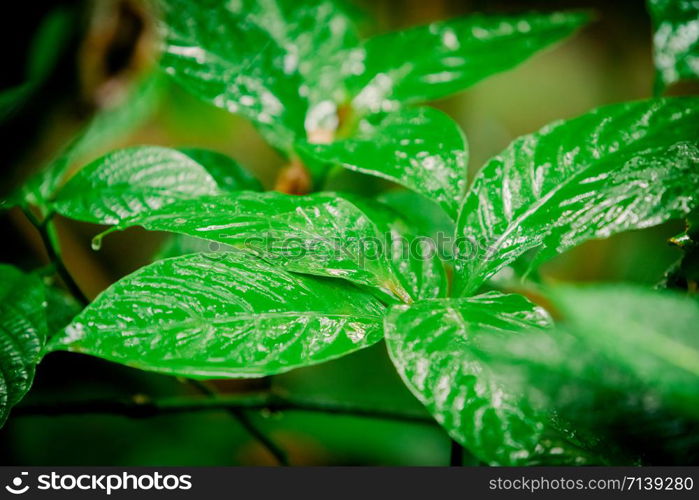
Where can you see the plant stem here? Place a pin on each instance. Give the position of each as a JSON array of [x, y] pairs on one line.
[[140, 407], [55, 257], [54, 254], [244, 420]]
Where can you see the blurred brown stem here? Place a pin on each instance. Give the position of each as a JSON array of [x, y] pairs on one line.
[[294, 178]]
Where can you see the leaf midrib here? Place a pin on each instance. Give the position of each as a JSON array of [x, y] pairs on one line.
[[243, 316]]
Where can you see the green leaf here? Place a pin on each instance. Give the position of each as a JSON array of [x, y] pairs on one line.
[[228, 173], [223, 315], [422, 214], [622, 364], [426, 219], [321, 234], [442, 58], [180, 244], [675, 41], [104, 129], [422, 149], [620, 167], [316, 36], [130, 181], [434, 346], [651, 333], [61, 308], [418, 270], [23, 332], [412, 267], [274, 62]]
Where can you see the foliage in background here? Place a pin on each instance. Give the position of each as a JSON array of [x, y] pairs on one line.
[[47, 43], [296, 285], [676, 40]]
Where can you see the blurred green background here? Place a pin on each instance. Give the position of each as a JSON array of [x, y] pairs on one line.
[[93, 51]]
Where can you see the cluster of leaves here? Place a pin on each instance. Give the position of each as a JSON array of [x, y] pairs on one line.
[[325, 98]]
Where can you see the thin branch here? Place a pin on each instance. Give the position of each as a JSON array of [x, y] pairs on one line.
[[143, 407], [55, 257], [54, 254], [277, 452]]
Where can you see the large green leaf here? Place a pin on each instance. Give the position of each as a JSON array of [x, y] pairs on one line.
[[676, 40], [105, 128], [436, 60], [415, 266], [29, 312], [422, 149], [653, 334], [316, 35], [434, 346], [23, 332], [321, 234], [274, 62], [620, 167], [623, 364], [130, 181], [223, 315]]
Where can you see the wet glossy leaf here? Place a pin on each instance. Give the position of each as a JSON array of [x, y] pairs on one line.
[[223, 315], [422, 149], [321, 234], [265, 60], [105, 128], [434, 346], [130, 181], [316, 35], [676, 39], [23, 332], [442, 58], [621, 167], [228, 173]]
